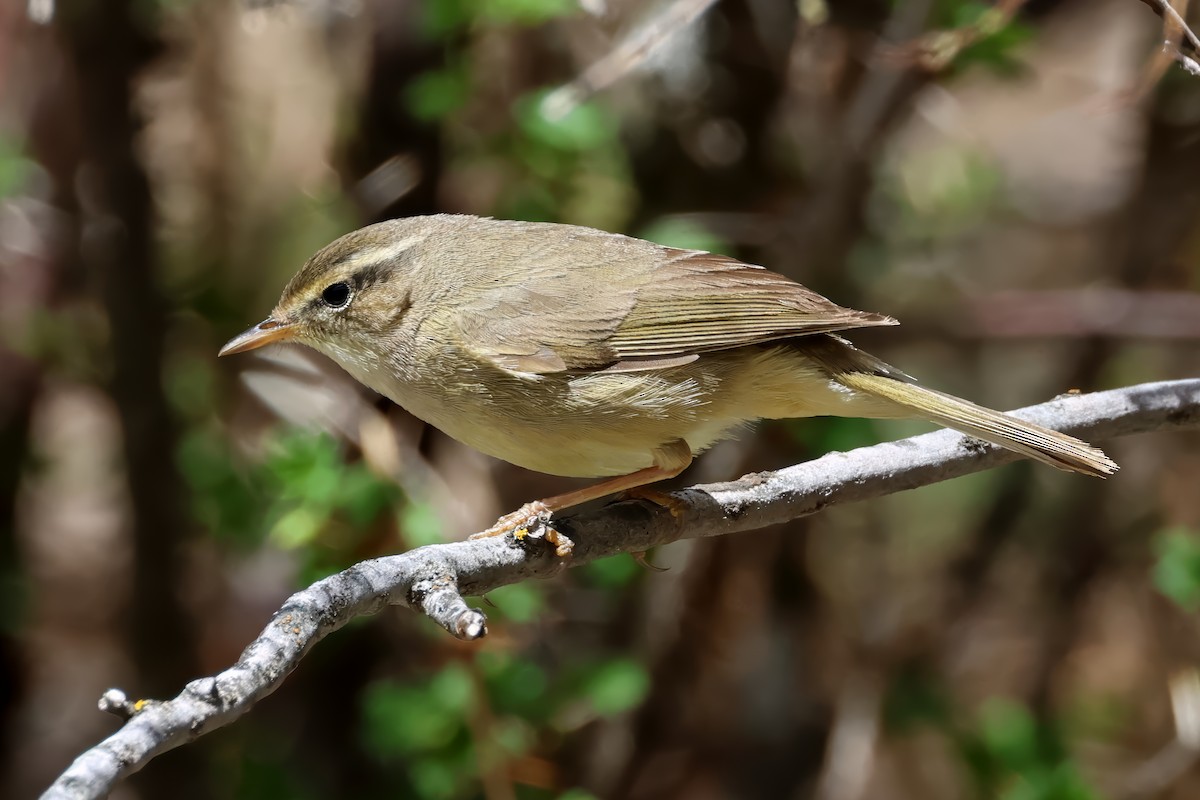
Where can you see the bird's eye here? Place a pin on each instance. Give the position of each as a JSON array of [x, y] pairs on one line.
[[336, 295]]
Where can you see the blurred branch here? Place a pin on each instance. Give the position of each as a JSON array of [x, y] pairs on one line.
[[110, 45], [627, 56], [1176, 31], [1091, 312], [1181, 753], [850, 756], [1172, 51], [883, 83], [433, 579], [936, 50]]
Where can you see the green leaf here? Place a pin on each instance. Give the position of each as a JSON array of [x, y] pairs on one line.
[[614, 572], [306, 467], [437, 94], [420, 524], [998, 37], [515, 685], [585, 127], [514, 736], [1009, 733], [15, 168], [191, 386], [402, 720], [362, 495], [520, 602], [832, 434], [683, 233], [440, 19], [297, 528], [453, 688], [261, 779], [226, 502], [1177, 573], [1097, 716], [314, 485], [1060, 782], [577, 794], [617, 686], [436, 778], [525, 12]]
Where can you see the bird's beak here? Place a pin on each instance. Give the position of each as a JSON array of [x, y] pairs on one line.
[[265, 332]]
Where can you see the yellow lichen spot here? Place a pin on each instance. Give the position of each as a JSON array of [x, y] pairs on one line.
[[521, 534], [138, 705]]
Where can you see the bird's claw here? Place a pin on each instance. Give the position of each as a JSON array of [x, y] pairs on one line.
[[640, 558], [530, 521], [678, 508]]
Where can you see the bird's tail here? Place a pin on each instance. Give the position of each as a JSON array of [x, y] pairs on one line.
[[1049, 447]]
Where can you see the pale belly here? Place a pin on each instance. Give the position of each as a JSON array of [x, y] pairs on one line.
[[604, 424], [582, 425]]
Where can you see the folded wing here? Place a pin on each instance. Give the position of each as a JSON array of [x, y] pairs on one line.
[[625, 304]]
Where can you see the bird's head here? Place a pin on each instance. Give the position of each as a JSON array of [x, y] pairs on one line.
[[348, 298]]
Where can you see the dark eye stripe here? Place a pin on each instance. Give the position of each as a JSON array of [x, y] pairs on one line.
[[368, 276], [337, 294]]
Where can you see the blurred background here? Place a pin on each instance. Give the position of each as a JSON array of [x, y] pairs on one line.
[[1018, 183]]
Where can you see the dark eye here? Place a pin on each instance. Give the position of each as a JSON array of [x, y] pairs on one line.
[[336, 295]]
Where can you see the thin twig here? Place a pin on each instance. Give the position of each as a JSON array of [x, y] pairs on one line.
[[853, 738], [936, 50], [1169, 12], [626, 57], [1176, 33], [433, 579], [1174, 29], [1166, 766]]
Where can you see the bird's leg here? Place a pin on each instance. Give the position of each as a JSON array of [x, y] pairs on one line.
[[670, 459]]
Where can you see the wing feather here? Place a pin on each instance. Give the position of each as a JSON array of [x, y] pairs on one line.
[[701, 302], [587, 300]]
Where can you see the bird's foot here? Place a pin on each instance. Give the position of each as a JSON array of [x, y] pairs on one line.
[[670, 502], [524, 517], [530, 521]]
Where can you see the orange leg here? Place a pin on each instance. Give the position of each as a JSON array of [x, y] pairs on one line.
[[669, 460]]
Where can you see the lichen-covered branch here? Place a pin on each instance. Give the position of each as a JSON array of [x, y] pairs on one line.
[[434, 579]]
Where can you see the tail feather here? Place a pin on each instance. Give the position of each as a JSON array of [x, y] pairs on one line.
[[1049, 447]]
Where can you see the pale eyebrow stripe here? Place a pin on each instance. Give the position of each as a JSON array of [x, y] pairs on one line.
[[374, 255]]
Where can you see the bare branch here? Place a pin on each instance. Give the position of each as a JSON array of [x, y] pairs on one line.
[[433, 579], [1180, 42], [627, 56], [1179, 755], [1169, 13], [936, 50], [853, 737]]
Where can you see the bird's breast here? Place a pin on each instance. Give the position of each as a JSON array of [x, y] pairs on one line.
[[596, 424], [585, 424]]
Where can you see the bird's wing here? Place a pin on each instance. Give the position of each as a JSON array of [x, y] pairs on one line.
[[701, 302], [548, 322], [610, 311]]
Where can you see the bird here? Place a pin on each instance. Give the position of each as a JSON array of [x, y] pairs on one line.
[[577, 352]]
